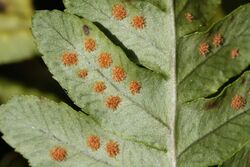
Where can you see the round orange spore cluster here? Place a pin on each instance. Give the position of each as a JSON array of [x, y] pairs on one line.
[[203, 49], [89, 45], [99, 87], [234, 53], [93, 142], [82, 73], [112, 148], [112, 102], [134, 87], [104, 60], [217, 40], [119, 11], [138, 22], [69, 59], [189, 17], [238, 102], [58, 153], [118, 74]]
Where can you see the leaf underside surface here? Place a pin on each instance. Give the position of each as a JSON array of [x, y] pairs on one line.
[[174, 109], [241, 158]]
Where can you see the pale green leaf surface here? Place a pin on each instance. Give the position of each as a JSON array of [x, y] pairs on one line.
[[203, 12], [203, 75], [154, 38], [16, 41], [66, 29], [153, 56], [159, 3], [35, 125], [240, 159], [187, 143], [211, 129]]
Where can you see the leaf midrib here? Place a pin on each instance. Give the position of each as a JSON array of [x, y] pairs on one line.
[[172, 115]]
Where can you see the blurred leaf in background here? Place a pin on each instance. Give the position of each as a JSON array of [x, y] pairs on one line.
[[16, 77], [13, 159], [10, 89], [16, 41]]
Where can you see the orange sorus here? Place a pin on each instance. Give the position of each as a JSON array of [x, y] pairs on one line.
[[69, 59], [104, 60], [112, 148], [138, 22], [118, 74], [203, 49], [93, 142], [238, 102], [58, 153], [82, 73], [234, 53], [134, 87], [217, 40], [99, 87], [119, 11], [112, 102], [89, 45], [189, 17]]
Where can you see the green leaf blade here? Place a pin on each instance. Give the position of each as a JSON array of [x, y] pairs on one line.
[[158, 124], [203, 13], [34, 126], [153, 38], [215, 127], [67, 30], [241, 158], [203, 75]]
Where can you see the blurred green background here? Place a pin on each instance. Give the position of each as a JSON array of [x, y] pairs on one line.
[[21, 69]]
